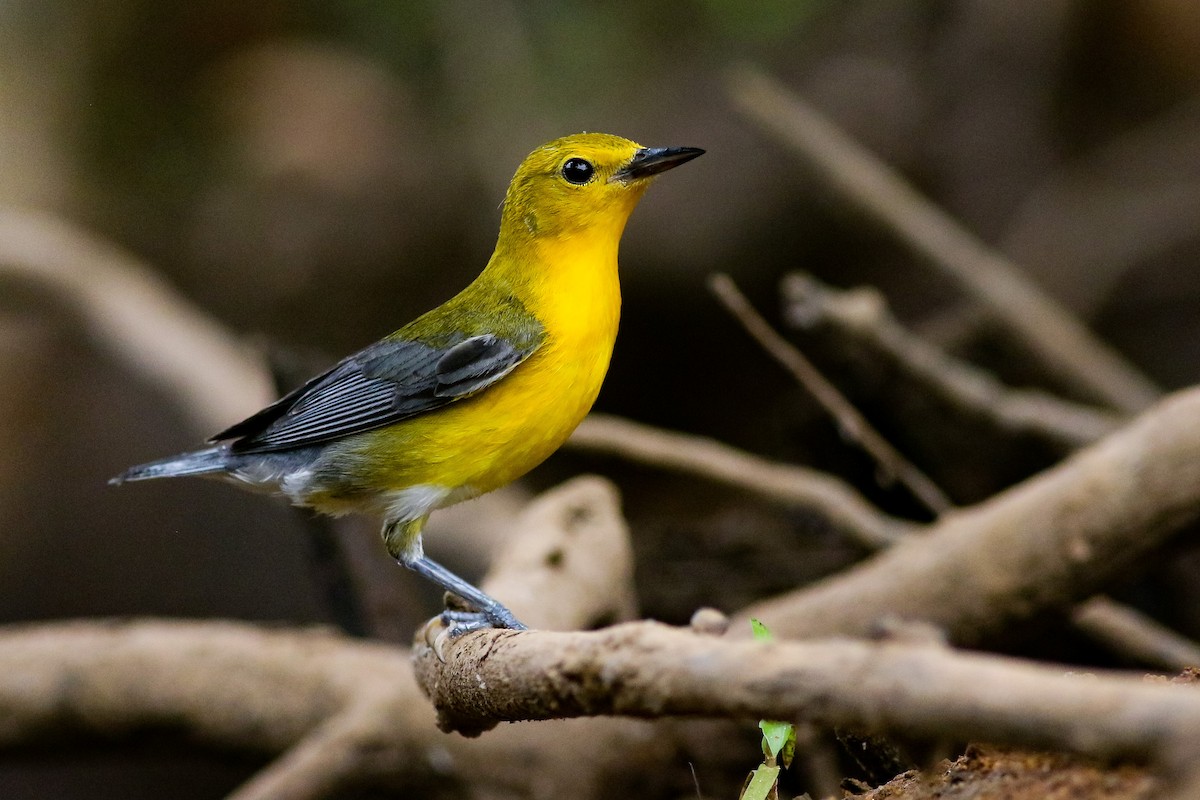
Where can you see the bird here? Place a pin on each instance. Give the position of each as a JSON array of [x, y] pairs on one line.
[[471, 395]]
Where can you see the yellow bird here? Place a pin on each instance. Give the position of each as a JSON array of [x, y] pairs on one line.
[[473, 394]]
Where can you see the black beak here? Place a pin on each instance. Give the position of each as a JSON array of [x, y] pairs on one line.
[[650, 161]]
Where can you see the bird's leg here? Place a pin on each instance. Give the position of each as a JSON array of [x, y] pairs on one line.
[[403, 541]]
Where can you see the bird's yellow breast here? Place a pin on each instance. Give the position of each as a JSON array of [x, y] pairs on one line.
[[490, 439]]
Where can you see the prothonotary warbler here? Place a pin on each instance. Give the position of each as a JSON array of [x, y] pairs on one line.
[[473, 394]]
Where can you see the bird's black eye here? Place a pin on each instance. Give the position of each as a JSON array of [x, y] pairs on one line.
[[578, 171]]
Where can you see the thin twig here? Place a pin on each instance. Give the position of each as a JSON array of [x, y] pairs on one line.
[[1035, 319], [863, 316], [820, 492], [852, 424], [1125, 630], [336, 755]]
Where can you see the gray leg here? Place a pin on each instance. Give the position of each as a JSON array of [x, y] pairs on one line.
[[489, 608], [403, 540]]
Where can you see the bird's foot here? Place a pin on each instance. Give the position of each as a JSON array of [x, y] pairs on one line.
[[455, 622]]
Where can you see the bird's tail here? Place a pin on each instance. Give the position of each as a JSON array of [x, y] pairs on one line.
[[198, 462]]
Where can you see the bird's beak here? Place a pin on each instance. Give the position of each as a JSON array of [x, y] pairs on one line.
[[650, 161]]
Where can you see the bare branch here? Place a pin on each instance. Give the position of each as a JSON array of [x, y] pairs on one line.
[[1034, 318], [851, 422], [1048, 542], [224, 678], [648, 669], [340, 752], [706, 458], [138, 317], [862, 315], [1127, 631]]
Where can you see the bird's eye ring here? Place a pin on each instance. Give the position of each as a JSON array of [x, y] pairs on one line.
[[578, 171]]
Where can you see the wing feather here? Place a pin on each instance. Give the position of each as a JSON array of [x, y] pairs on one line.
[[390, 381]]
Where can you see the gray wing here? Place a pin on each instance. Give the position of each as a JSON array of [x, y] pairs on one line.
[[389, 381]]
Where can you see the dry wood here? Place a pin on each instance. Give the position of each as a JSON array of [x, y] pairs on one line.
[[866, 183], [1048, 542], [648, 669], [861, 316]]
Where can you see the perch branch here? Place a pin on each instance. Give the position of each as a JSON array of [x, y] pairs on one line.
[[849, 420], [1034, 318], [648, 669]]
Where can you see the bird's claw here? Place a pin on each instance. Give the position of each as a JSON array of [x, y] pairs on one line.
[[453, 623]]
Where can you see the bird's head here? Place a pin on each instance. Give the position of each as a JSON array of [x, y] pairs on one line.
[[584, 183]]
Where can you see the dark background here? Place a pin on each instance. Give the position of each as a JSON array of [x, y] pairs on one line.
[[314, 174]]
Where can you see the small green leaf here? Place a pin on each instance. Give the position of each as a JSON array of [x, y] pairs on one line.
[[761, 633], [762, 780], [789, 748], [776, 736]]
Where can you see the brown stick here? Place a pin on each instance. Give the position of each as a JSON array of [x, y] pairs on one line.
[[1051, 541], [337, 754], [136, 315], [1034, 319], [862, 316], [706, 458], [1131, 633], [647, 669], [852, 423]]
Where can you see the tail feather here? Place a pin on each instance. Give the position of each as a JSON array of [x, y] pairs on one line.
[[199, 462]]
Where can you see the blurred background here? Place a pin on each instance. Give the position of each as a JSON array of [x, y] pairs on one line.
[[314, 174]]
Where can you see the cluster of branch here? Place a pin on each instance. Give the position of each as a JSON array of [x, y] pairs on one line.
[[1030, 316], [342, 712]]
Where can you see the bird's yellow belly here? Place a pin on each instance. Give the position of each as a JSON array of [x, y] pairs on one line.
[[481, 443], [489, 440]]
